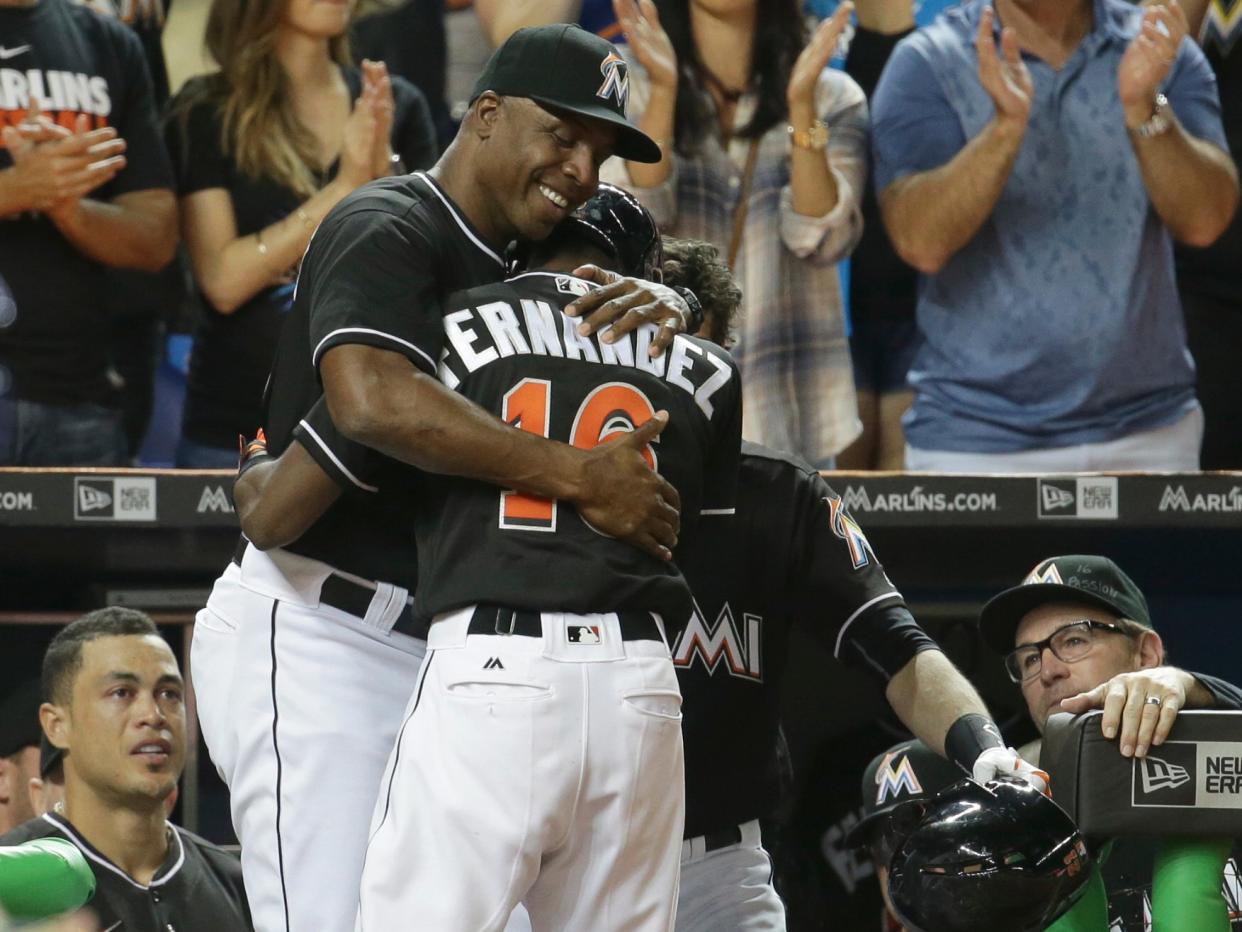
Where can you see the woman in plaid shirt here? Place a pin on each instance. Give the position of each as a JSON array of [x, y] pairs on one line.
[[765, 158]]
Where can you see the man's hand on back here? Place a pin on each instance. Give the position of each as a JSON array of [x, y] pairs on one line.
[[623, 497], [623, 304]]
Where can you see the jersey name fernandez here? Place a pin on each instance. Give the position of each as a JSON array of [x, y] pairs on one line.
[[480, 335], [510, 348]]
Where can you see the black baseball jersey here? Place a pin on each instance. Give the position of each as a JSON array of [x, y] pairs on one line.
[[509, 348], [198, 888], [382, 261], [790, 554]]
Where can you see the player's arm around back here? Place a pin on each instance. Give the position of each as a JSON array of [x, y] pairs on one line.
[[378, 398], [278, 499]]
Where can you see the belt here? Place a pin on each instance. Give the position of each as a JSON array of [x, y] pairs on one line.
[[714, 841], [351, 597], [495, 619]]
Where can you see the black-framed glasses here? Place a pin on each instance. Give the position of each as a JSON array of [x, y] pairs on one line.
[[1069, 643]]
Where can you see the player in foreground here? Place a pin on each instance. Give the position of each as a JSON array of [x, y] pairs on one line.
[[309, 634]]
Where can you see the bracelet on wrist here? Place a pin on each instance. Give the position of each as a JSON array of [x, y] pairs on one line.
[[694, 323], [815, 138]]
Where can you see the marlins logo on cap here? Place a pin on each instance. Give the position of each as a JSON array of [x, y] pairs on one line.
[[1048, 574], [616, 79], [1087, 579], [893, 781]]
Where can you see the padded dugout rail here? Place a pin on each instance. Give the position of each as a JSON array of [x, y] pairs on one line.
[[1190, 785]]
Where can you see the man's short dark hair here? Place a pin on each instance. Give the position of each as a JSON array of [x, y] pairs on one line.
[[64, 654], [697, 265]]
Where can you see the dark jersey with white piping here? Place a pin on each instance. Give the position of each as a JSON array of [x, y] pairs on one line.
[[789, 554], [380, 265], [509, 348], [198, 888]]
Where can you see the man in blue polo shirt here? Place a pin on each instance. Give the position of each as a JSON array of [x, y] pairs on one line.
[[1039, 189]]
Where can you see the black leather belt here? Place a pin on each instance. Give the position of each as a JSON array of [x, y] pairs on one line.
[[494, 619], [351, 598], [714, 841]]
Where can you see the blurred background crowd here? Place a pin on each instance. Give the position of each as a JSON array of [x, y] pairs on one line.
[[954, 255]]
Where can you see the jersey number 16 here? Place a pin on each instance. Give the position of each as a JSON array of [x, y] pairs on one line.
[[612, 409]]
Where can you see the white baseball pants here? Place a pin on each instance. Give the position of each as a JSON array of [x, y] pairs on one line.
[[534, 770], [729, 888], [299, 704]]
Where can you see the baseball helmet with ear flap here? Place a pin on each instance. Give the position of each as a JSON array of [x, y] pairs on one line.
[[614, 221], [975, 858]]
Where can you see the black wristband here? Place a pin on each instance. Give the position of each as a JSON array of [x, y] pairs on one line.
[[970, 736], [694, 323], [253, 460]]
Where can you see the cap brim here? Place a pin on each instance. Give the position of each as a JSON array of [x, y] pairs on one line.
[[633, 144], [998, 621], [860, 835]]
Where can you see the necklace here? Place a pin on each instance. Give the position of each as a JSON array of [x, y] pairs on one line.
[[729, 96]]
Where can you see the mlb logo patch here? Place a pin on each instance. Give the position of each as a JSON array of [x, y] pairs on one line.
[[583, 634], [574, 286]]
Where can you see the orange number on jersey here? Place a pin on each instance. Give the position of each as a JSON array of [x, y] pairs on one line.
[[605, 414], [527, 406], [610, 411]]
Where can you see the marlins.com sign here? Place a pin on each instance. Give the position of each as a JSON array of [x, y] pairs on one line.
[[856, 498], [1174, 498]]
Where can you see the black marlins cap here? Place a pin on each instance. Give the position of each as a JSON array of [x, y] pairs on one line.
[[19, 719], [1094, 580], [566, 67], [905, 772]]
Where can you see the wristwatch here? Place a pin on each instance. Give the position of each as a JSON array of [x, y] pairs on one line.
[[694, 323], [1157, 123], [814, 138]]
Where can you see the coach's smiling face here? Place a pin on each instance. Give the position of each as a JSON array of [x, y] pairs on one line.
[[540, 164]]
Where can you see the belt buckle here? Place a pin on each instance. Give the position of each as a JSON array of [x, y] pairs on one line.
[[512, 621]]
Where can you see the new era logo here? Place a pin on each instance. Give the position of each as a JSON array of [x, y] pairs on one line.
[[1086, 497], [1168, 780], [1161, 775], [1054, 498], [123, 498], [94, 498]]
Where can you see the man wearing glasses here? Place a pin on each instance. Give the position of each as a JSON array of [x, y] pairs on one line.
[[1077, 635]]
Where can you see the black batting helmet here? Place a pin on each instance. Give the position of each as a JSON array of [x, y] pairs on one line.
[[618, 223], [1000, 856], [615, 221]]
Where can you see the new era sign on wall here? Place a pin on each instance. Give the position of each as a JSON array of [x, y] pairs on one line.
[[1189, 773]]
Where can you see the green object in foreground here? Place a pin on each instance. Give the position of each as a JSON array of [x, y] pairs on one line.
[[44, 877], [1186, 885], [1090, 913]]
